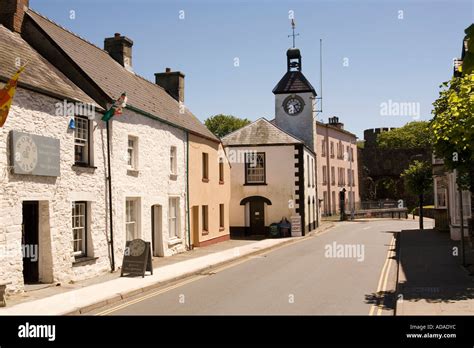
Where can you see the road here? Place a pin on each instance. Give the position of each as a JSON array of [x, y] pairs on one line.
[[300, 278]]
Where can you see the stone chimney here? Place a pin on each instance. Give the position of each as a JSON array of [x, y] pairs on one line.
[[12, 13], [334, 121], [172, 82], [120, 49]]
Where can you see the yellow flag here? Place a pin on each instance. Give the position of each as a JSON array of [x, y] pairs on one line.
[[6, 96]]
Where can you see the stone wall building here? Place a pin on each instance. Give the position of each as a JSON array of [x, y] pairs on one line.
[[65, 209]]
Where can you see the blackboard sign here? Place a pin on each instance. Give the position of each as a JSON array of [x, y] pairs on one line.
[[137, 258]]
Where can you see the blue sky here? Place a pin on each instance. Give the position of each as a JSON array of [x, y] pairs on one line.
[[389, 58]]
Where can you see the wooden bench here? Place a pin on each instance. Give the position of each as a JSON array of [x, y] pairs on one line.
[[3, 287]]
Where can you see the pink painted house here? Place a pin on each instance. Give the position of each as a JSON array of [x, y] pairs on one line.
[[337, 166]]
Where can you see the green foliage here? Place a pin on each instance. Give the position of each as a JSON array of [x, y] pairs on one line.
[[222, 125], [452, 127], [418, 177], [413, 135]]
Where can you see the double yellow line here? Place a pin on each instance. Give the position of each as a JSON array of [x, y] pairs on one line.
[[376, 309]]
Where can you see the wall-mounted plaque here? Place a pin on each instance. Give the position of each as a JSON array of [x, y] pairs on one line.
[[34, 154]]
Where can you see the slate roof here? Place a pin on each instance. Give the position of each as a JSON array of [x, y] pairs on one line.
[[114, 79], [39, 74], [293, 82], [259, 132]]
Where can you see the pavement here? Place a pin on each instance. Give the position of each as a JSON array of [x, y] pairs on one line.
[[109, 288], [301, 278], [431, 279]]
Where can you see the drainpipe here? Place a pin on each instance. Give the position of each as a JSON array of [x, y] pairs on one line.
[[187, 191]]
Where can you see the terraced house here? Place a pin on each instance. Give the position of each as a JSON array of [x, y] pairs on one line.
[[63, 205]]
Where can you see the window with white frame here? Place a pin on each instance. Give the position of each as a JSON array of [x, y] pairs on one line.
[[132, 152], [81, 140], [131, 218], [79, 228], [325, 175], [323, 148], [173, 161], [333, 176], [173, 217], [255, 168], [331, 149]]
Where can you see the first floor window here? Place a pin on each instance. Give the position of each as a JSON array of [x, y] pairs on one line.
[[325, 175], [81, 140], [131, 223], [79, 228], [221, 216], [205, 218], [255, 168], [173, 217], [173, 161], [132, 153], [221, 170], [205, 166]]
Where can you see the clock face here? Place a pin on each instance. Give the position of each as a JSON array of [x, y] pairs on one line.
[[293, 105], [26, 154], [137, 247]]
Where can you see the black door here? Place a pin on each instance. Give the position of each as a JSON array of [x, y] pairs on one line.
[[30, 240], [257, 218]]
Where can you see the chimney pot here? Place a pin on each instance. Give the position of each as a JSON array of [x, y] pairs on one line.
[[168, 70]]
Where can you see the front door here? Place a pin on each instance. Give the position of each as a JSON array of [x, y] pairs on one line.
[[30, 240], [257, 218], [156, 230]]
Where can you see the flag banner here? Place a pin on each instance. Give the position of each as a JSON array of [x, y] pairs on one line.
[[117, 108], [6, 96]]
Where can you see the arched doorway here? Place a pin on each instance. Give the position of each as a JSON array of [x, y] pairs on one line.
[[256, 213]]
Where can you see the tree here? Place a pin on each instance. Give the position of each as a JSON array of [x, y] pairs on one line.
[[411, 136], [222, 125], [418, 180], [452, 128]]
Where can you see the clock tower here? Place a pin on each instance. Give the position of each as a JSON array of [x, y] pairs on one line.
[[295, 101]]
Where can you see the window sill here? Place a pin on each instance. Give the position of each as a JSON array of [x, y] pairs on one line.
[[133, 172], [221, 229], [205, 180], [205, 233], [83, 259], [174, 241], [83, 167], [173, 177], [221, 182], [255, 184]]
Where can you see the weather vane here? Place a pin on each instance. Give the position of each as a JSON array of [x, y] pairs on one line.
[[293, 25]]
